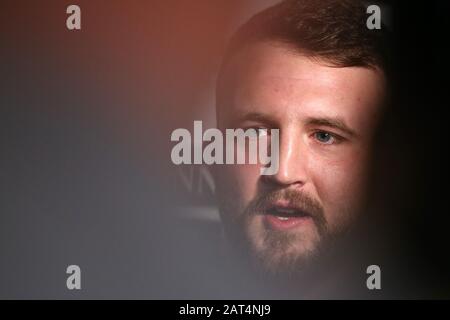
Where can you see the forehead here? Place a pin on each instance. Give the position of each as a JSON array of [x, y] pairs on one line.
[[271, 77]]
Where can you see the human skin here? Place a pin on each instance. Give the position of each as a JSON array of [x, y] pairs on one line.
[[327, 116]]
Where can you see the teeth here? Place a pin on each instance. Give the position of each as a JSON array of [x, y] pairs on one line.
[[282, 218]]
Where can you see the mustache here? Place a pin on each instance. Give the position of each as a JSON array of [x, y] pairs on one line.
[[295, 199]]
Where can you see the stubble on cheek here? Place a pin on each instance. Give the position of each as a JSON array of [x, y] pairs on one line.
[[344, 190]]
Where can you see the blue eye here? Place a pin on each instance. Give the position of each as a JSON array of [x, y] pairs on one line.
[[324, 137]]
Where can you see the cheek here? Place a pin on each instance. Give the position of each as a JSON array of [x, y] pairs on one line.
[[340, 183]]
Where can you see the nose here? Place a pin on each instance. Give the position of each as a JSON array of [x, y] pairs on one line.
[[292, 168]]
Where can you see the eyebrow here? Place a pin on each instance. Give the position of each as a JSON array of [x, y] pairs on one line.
[[332, 123]]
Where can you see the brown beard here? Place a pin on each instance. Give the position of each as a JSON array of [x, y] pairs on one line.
[[275, 258]]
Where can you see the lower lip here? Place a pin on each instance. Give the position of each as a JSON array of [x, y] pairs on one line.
[[287, 224]]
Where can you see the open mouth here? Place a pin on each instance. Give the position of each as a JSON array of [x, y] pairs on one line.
[[282, 217], [286, 212]]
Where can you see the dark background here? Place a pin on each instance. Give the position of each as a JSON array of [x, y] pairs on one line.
[[86, 176]]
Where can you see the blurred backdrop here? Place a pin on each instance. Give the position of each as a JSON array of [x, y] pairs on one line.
[[86, 117]]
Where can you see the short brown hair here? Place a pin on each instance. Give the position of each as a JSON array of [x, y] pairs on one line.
[[332, 30]]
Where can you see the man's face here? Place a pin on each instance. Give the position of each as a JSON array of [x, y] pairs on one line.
[[326, 116]]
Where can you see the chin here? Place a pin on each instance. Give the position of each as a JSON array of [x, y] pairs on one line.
[[283, 253], [283, 264]]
